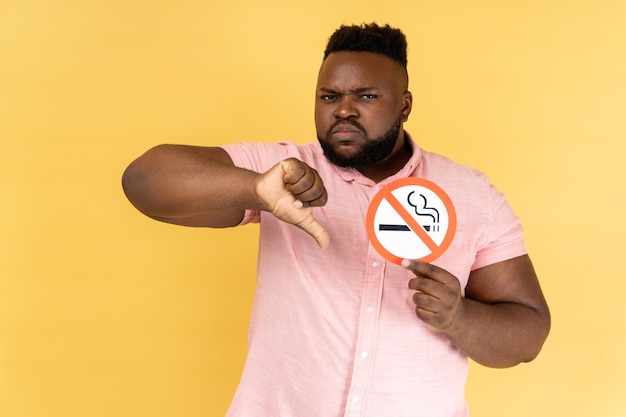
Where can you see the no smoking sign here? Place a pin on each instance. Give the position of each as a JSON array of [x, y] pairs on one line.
[[411, 218]]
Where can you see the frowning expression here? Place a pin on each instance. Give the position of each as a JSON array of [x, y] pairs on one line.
[[361, 102]]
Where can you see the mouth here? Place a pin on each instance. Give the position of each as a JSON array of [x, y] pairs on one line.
[[345, 132]]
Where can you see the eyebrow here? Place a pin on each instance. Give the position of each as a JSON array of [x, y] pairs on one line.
[[359, 90]]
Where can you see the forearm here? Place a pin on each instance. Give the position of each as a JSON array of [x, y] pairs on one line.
[[498, 335], [177, 183]]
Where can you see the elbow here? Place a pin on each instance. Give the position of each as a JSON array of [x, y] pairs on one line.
[[152, 183], [139, 180], [535, 337], [131, 181], [542, 331], [522, 344]]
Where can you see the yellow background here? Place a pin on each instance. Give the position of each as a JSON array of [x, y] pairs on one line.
[[106, 313]]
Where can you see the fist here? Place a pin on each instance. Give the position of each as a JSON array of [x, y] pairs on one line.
[[289, 190]]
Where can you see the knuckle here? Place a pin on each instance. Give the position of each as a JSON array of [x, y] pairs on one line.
[[416, 298], [296, 166], [306, 182], [423, 301]]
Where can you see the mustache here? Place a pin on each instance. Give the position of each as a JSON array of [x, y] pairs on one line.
[[348, 121]]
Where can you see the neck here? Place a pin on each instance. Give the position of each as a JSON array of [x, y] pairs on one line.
[[390, 165]]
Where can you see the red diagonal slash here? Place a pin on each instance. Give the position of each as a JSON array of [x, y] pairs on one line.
[[410, 221]]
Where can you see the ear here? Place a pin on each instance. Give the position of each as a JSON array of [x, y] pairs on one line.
[[407, 105]]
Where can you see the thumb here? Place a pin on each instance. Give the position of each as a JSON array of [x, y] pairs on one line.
[[315, 229]]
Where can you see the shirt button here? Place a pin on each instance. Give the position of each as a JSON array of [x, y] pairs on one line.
[[364, 355], [375, 264], [370, 309], [356, 399]]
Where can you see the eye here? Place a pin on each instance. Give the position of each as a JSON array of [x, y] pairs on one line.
[[328, 97], [368, 96]]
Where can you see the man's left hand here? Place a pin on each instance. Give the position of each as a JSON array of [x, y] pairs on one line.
[[438, 296]]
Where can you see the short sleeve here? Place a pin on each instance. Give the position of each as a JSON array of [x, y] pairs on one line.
[[257, 157], [505, 239]]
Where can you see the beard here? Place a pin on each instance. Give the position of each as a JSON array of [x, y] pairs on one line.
[[373, 151]]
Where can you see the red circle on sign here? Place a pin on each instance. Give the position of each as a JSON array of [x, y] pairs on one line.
[[385, 194]]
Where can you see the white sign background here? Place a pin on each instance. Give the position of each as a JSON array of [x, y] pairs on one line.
[[411, 218]]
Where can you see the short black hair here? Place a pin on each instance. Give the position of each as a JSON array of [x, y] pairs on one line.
[[369, 37]]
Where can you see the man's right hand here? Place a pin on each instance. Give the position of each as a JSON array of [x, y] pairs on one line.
[[289, 190]]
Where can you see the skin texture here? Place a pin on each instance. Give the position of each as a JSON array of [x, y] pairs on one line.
[[200, 186], [360, 98]]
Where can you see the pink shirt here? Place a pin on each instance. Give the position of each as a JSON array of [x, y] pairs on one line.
[[334, 333]]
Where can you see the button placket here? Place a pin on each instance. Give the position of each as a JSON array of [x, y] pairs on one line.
[[368, 334]]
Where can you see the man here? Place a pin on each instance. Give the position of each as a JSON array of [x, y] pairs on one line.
[[341, 331]]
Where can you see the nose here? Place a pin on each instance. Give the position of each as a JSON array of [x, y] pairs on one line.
[[346, 108]]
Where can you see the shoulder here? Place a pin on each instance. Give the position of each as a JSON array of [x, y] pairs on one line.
[[475, 197], [436, 160], [440, 168]]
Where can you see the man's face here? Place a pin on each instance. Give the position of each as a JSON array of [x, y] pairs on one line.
[[361, 102]]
